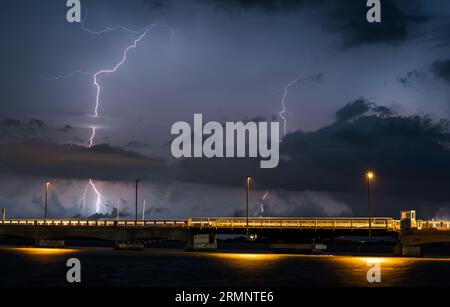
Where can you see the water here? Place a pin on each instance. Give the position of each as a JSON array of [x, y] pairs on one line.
[[103, 266]]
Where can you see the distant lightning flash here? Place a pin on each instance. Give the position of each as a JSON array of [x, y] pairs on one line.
[[99, 196], [283, 112], [262, 202]]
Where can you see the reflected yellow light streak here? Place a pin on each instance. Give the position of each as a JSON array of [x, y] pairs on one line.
[[249, 257], [42, 251]]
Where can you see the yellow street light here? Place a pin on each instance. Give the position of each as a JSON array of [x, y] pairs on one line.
[[248, 181], [370, 176]]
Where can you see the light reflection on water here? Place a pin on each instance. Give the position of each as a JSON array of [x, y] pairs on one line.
[[165, 267], [347, 270], [34, 251]]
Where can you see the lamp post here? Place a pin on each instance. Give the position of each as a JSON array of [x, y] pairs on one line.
[[47, 185], [143, 211], [248, 181], [370, 176], [118, 209], [137, 181]]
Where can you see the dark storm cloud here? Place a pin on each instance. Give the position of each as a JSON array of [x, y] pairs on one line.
[[440, 35], [134, 145], [360, 107], [16, 130], [351, 110], [335, 158], [441, 69], [156, 4], [13, 129], [47, 160], [412, 77], [346, 17], [332, 159], [398, 17], [266, 5]]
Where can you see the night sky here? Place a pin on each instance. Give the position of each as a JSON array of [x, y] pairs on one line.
[[371, 96]]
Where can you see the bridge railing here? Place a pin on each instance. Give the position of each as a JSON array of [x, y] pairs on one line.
[[433, 224], [289, 223], [86, 223]]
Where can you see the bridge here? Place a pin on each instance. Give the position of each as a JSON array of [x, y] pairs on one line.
[[199, 233]]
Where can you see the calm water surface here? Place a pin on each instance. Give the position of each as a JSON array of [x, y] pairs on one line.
[[102, 266]]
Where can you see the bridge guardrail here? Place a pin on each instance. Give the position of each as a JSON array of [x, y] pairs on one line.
[[290, 223], [86, 223], [240, 223], [433, 224]]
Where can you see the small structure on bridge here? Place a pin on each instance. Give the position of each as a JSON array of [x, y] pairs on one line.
[[408, 220]]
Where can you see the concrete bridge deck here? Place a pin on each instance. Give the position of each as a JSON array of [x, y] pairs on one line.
[[278, 229], [361, 223], [218, 223]]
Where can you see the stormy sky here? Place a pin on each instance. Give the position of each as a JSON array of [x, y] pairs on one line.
[[370, 96]]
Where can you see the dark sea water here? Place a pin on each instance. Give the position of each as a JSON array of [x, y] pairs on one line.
[[173, 267]]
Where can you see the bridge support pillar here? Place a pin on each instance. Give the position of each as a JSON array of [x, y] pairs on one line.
[[128, 245], [50, 243], [408, 251], [201, 242]]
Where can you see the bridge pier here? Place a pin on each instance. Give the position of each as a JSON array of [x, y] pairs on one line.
[[201, 242], [128, 245], [50, 243], [407, 251]]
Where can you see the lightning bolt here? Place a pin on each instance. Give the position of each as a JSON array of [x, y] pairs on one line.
[[108, 29], [98, 74], [96, 78], [100, 197], [262, 202], [283, 112], [68, 76], [97, 85]]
